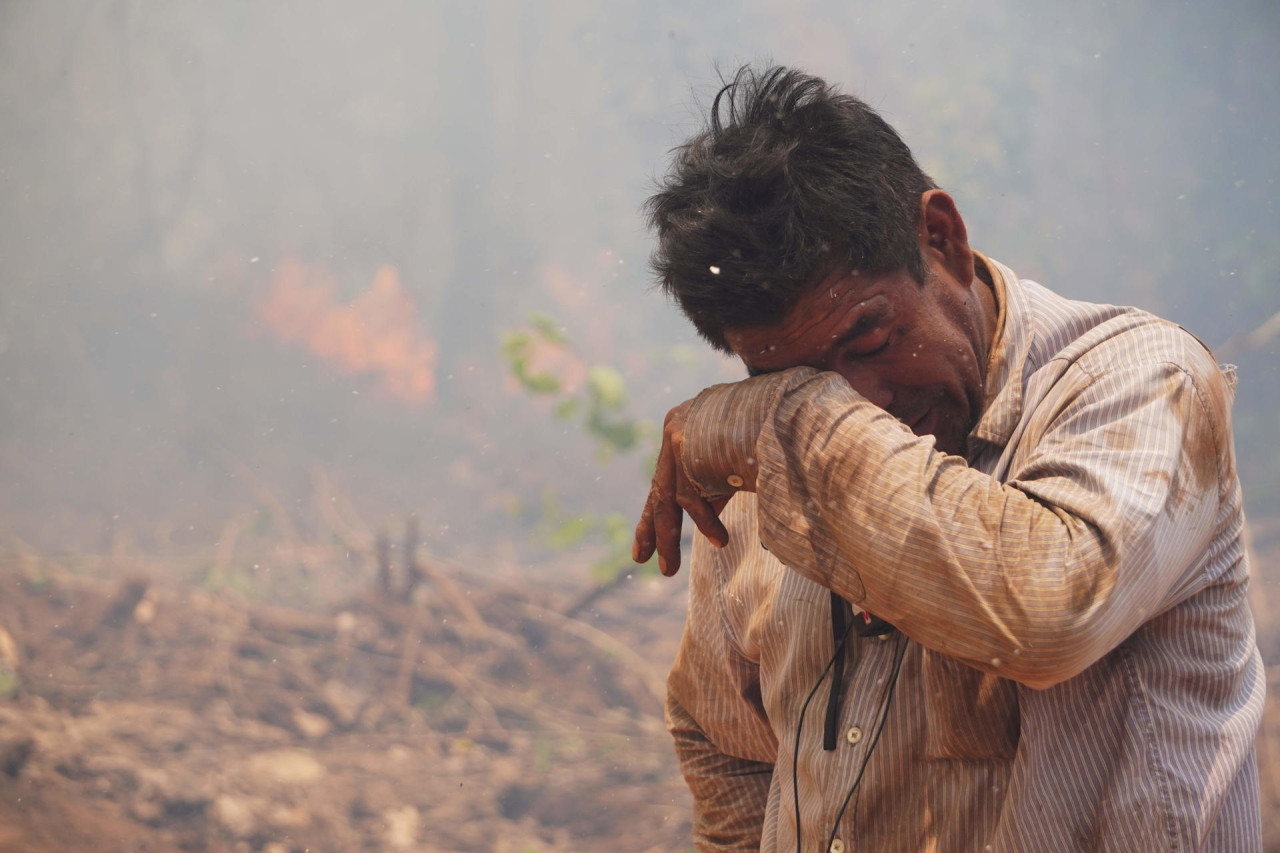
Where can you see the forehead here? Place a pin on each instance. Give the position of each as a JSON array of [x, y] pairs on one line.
[[820, 316]]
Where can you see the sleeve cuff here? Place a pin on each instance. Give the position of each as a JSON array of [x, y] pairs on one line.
[[723, 424]]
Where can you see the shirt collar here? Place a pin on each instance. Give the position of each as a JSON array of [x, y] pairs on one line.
[[1002, 405]]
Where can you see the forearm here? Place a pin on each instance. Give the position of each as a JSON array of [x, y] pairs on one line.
[[1033, 579], [962, 564]]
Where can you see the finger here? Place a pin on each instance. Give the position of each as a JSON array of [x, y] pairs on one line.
[[704, 515], [646, 536], [643, 544], [668, 520], [705, 518], [660, 524]]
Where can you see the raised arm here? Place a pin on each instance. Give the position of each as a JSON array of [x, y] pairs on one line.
[[1102, 523]]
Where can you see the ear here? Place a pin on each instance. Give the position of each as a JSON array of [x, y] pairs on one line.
[[943, 239]]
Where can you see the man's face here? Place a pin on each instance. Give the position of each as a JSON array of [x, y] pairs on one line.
[[916, 351]]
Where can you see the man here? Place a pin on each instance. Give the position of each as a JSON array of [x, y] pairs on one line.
[[979, 581]]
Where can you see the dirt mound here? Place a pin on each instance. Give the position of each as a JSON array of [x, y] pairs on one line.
[[141, 718]]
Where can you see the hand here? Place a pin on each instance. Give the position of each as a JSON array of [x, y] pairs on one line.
[[670, 497]]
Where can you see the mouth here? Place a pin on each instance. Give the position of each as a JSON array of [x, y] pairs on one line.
[[920, 421]]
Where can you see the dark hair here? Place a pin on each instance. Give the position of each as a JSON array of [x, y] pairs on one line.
[[789, 180]]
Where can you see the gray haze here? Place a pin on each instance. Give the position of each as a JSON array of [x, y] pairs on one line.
[[164, 166]]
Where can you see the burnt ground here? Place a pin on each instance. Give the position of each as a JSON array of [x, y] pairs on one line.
[[142, 717]]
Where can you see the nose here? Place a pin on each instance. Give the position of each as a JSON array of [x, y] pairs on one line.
[[869, 386]]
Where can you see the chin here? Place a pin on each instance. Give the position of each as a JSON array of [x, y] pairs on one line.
[[941, 442], [951, 441]]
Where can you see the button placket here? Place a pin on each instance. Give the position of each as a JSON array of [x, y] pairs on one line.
[[873, 665]]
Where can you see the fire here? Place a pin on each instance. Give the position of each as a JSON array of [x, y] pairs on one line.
[[374, 334]]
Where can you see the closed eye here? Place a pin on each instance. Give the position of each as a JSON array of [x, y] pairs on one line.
[[864, 343], [881, 347]]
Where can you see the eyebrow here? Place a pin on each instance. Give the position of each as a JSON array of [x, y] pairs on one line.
[[865, 323]]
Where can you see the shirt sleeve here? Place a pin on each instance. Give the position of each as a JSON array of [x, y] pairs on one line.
[[722, 739], [1103, 521]]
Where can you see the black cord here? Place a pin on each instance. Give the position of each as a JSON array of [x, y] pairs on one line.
[[884, 716], [839, 631], [795, 758]]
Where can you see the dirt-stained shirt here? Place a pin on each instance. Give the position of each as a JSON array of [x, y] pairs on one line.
[[1073, 665]]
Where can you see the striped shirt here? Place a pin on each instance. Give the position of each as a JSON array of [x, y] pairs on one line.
[[1074, 664]]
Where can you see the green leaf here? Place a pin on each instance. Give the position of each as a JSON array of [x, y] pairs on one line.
[[616, 530], [613, 436], [607, 387], [567, 408], [515, 345], [548, 328], [539, 383], [569, 533], [515, 349]]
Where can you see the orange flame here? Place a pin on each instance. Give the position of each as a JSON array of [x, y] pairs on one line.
[[375, 333]]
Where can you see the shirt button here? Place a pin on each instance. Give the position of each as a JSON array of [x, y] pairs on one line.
[[853, 735], [837, 846], [735, 481]]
